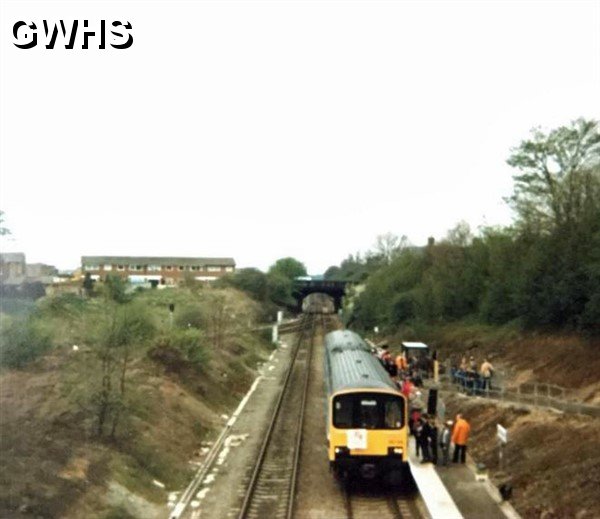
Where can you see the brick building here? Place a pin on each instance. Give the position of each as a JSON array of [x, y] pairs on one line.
[[156, 270]]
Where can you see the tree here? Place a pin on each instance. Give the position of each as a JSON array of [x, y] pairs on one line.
[[3, 230], [88, 284], [115, 289], [250, 280], [124, 327], [334, 272], [288, 267], [389, 245], [556, 183]]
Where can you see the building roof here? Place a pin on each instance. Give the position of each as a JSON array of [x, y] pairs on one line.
[[415, 345], [155, 260], [12, 257]]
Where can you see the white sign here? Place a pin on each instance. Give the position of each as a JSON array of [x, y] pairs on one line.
[[356, 439], [501, 433]]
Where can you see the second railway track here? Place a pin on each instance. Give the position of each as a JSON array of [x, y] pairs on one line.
[[271, 488]]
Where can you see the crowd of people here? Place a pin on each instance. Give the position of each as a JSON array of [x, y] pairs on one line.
[[430, 442], [470, 378], [407, 372]]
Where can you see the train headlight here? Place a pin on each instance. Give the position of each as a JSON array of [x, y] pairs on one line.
[[341, 451], [395, 451]]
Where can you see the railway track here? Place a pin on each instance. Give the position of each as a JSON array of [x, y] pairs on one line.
[[361, 505], [272, 485]]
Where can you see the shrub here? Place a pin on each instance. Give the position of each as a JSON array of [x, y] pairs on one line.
[[21, 342], [180, 349]]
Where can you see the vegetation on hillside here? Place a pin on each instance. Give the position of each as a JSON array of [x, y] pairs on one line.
[[272, 289], [120, 386], [543, 271]]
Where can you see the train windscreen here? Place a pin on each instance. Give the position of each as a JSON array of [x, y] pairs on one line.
[[368, 411]]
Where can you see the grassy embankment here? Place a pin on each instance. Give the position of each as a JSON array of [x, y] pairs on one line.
[[161, 385]]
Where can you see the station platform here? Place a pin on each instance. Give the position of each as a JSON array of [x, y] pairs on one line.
[[454, 492]]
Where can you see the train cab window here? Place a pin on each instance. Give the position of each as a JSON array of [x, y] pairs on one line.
[[343, 412], [370, 415], [368, 411], [393, 414]]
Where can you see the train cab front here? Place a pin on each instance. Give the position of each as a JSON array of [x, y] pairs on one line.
[[368, 436]]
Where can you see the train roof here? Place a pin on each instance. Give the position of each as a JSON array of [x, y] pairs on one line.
[[351, 365], [345, 340]]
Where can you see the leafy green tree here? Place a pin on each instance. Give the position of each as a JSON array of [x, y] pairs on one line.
[[124, 328], [22, 341], [289, 268], [280, 289], [115, 289], [556, 183], [333, 273], [250, 280]]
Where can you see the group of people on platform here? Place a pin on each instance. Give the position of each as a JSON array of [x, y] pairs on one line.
[[432, 445], [430, 442], [415, 367], [472, 379]]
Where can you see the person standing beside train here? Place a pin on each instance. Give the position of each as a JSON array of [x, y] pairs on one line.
[[445, 442], [460, 437]]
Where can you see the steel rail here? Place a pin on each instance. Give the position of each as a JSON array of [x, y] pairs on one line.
[[261, 456], [290, 510]]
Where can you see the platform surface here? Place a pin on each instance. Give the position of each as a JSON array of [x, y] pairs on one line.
[[469, 498]]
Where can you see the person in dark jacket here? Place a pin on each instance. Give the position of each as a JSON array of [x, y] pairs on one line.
[[424, 438], [433, 438]]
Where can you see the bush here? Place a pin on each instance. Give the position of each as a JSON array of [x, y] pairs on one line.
[[21, 342], [191, 316], [63, 305], [180, 349]]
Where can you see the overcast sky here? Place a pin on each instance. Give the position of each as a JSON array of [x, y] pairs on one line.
[[260, 130]]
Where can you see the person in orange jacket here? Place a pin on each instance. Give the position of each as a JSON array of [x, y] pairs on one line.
[[401, 363], [460, 436]]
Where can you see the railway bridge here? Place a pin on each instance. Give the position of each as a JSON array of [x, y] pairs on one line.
[[304, 286]]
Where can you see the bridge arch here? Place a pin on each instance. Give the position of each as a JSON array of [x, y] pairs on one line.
[[303, 287]]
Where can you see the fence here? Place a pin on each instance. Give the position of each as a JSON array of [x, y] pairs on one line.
[[538, 394]]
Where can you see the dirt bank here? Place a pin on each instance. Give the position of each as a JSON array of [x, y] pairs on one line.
[[552, 459]]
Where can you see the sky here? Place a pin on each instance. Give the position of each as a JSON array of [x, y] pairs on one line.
[[261, 130]]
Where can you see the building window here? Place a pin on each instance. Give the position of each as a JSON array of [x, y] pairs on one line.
[[195, 267], [214, 269], [91, 267], [120, 267], [181, 267], [228, 269], [154, 268], [107, 267], [169, 267]]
